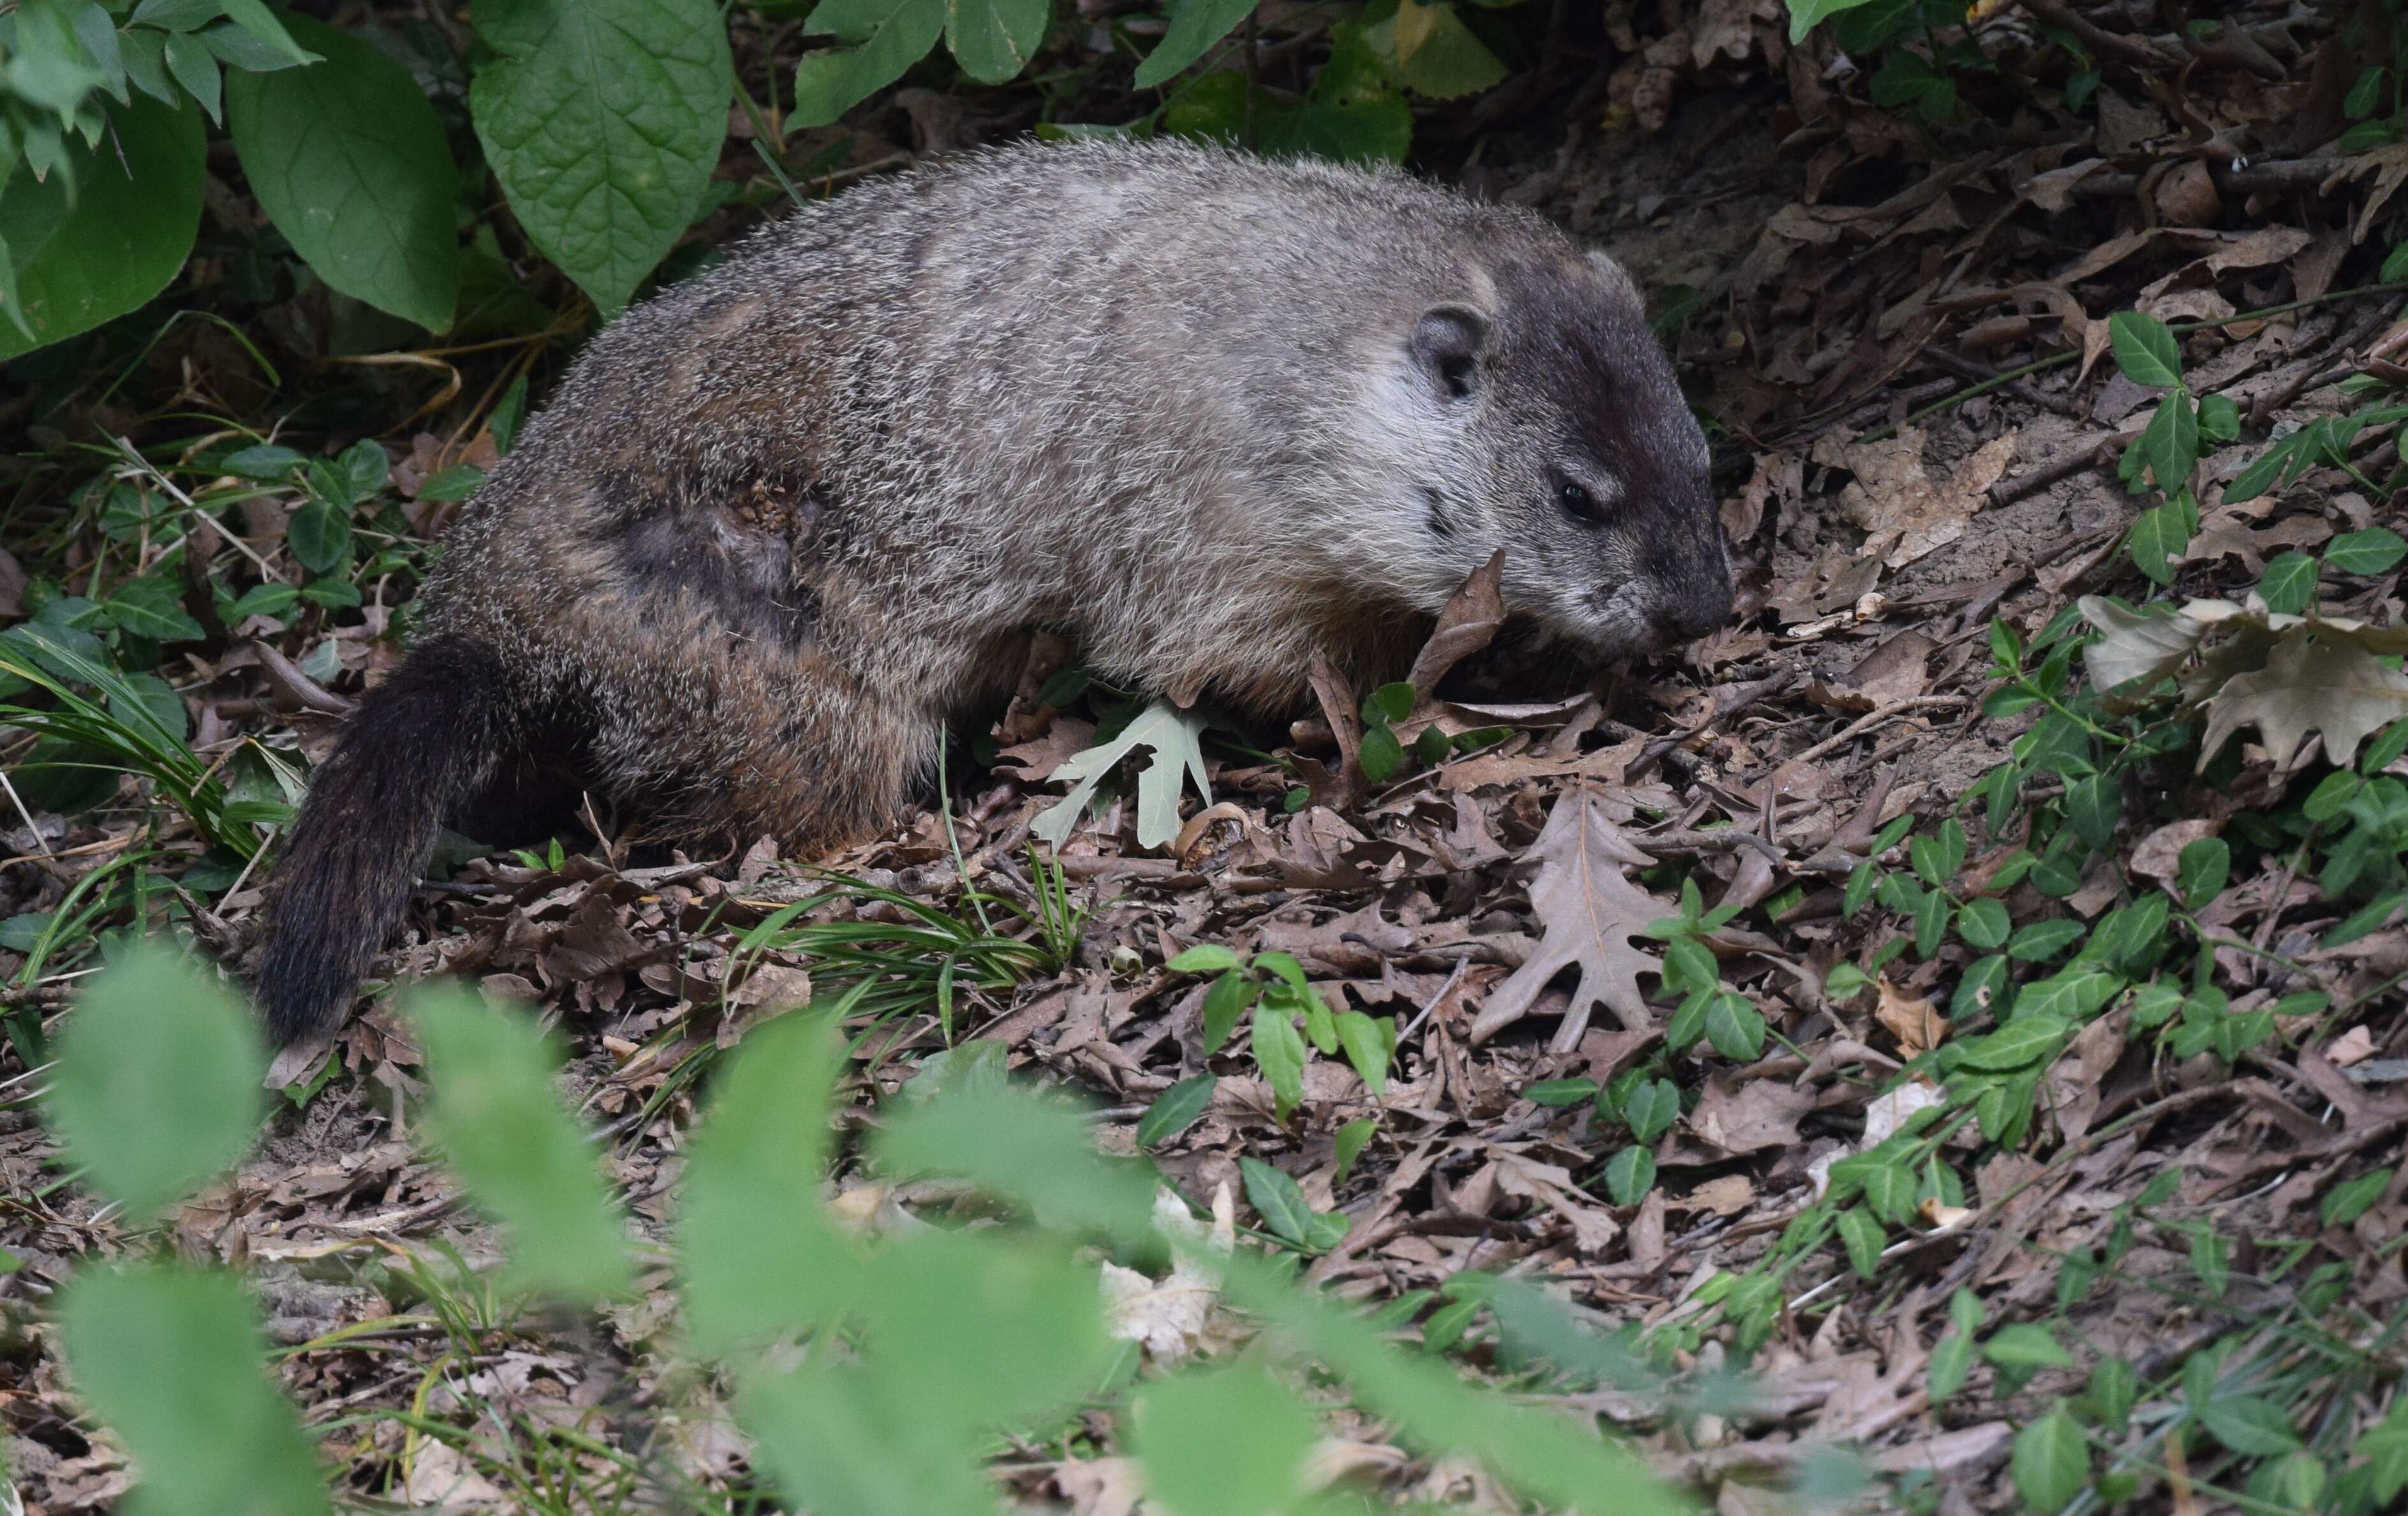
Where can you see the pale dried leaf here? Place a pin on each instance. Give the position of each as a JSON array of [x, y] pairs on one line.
[[2309, 684], [1470, 618], [1592, 914]]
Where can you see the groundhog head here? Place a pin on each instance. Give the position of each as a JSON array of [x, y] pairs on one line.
[[1550, 425]]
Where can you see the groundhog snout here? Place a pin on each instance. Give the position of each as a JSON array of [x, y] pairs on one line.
[[1690, 577]]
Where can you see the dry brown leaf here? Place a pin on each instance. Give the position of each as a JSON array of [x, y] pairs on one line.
[[1915, 1022], [2334, 687], [1470, 618], [1759, 1114], [1591, 914], [1895, 498], [2159, 853]]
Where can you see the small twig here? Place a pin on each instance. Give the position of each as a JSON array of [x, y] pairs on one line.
[[2101, 451]]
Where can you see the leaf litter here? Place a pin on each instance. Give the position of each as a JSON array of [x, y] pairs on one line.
[[1487, 901]]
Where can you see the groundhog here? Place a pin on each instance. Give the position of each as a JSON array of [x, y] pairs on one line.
[[1200, 413]]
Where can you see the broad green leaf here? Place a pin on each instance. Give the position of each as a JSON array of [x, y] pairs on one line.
[[2219, 419], [1861, 1235], [2051, 1464], [1438, 57], [1019, 1146], [1952, 1361], [2170, 444], [1735, 1027], [1651, 1108], [1019, 1327], [2018, 1045], [1629, 1173], [2202, 870], [1176, 1109], [1804, 14], [1195, 26], [2352, 1198], [2025, 1345], [603, 120], [152, 607], [758, 1254], [1560, 1091], [349, 160], [2145, 350], [2373, 551], [1223, 1442], [1984, 923], [1281, 1201], [1348, 1145], [2161, 532], [1370, 1044], [2386, 1449], [1205, 958], [2039, 941], [884, 37], [102, 235], [1279, 1052], [173, 1361], [522, 1156], [1227, 1000], [994, 39], [2289, 583], [2093, 807], [158, 1086], [318, 535], [1382, 755], [2251, 1425]]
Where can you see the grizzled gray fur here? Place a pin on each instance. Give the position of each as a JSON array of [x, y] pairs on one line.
[[1202, 413]]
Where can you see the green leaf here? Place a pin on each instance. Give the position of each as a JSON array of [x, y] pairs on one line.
[[522, 1156], [1279, 1052], [1370, 1045], [171, 1359], [1195, 26], [2202, 870], [2250, 1426], [1226, 1001], [603, 120], [158, 1086], [2026, 1346], [2018, 1045], [1382, 755], [152, 608], [2040, 940], [1560, 1091], [2159, 533], [318, 535], [1984, 923], [2115, 1390], [1952, 1362], [1930, 923], [1437, 55], [2289, 583], [1205, 958], [1223, 1442], [347, 159], [2219, 419], [994, 39], [1651, 1108], [2386, 1449], [1348, 1145], [1862, 1237], [2352, 1198], [2051, 1464], [885, 38], [1804, 14], [457, 483], [2373, 551], [1735, 1027], [1889, 1190], [1630, 1174], [107, 231], [2145, 350], [1176, 1109], [757, 1253], [1280, 1201]]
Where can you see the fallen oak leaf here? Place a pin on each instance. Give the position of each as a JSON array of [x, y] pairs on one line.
[[1470, 618], [1591, 914], [2309, 684]]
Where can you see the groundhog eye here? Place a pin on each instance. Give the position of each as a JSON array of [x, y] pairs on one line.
[[1578, 503]]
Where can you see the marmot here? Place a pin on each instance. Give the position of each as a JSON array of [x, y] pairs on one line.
[[1199, 412]]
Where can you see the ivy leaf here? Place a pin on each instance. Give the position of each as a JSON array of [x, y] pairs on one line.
[[1279, 1052], [2289, 583], [1630, 1174], [603, 120], [2219, 419], [2145, 350], [151, 607], [2367, 553], [1651, 1108], [1174, 737], [2250, 1426], [349, 160], [2020, 1043], [2159, 533], [2202, 870], [1370, 1044]]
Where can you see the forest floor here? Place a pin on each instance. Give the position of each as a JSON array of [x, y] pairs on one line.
[[1659, 953]]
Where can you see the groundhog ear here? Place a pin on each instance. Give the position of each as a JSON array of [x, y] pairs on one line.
[[1448, 342]]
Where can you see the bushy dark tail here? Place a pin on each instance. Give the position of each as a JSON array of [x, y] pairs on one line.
[[427, 739]]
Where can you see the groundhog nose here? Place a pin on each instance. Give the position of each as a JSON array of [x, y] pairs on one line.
[[1695, 610]]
